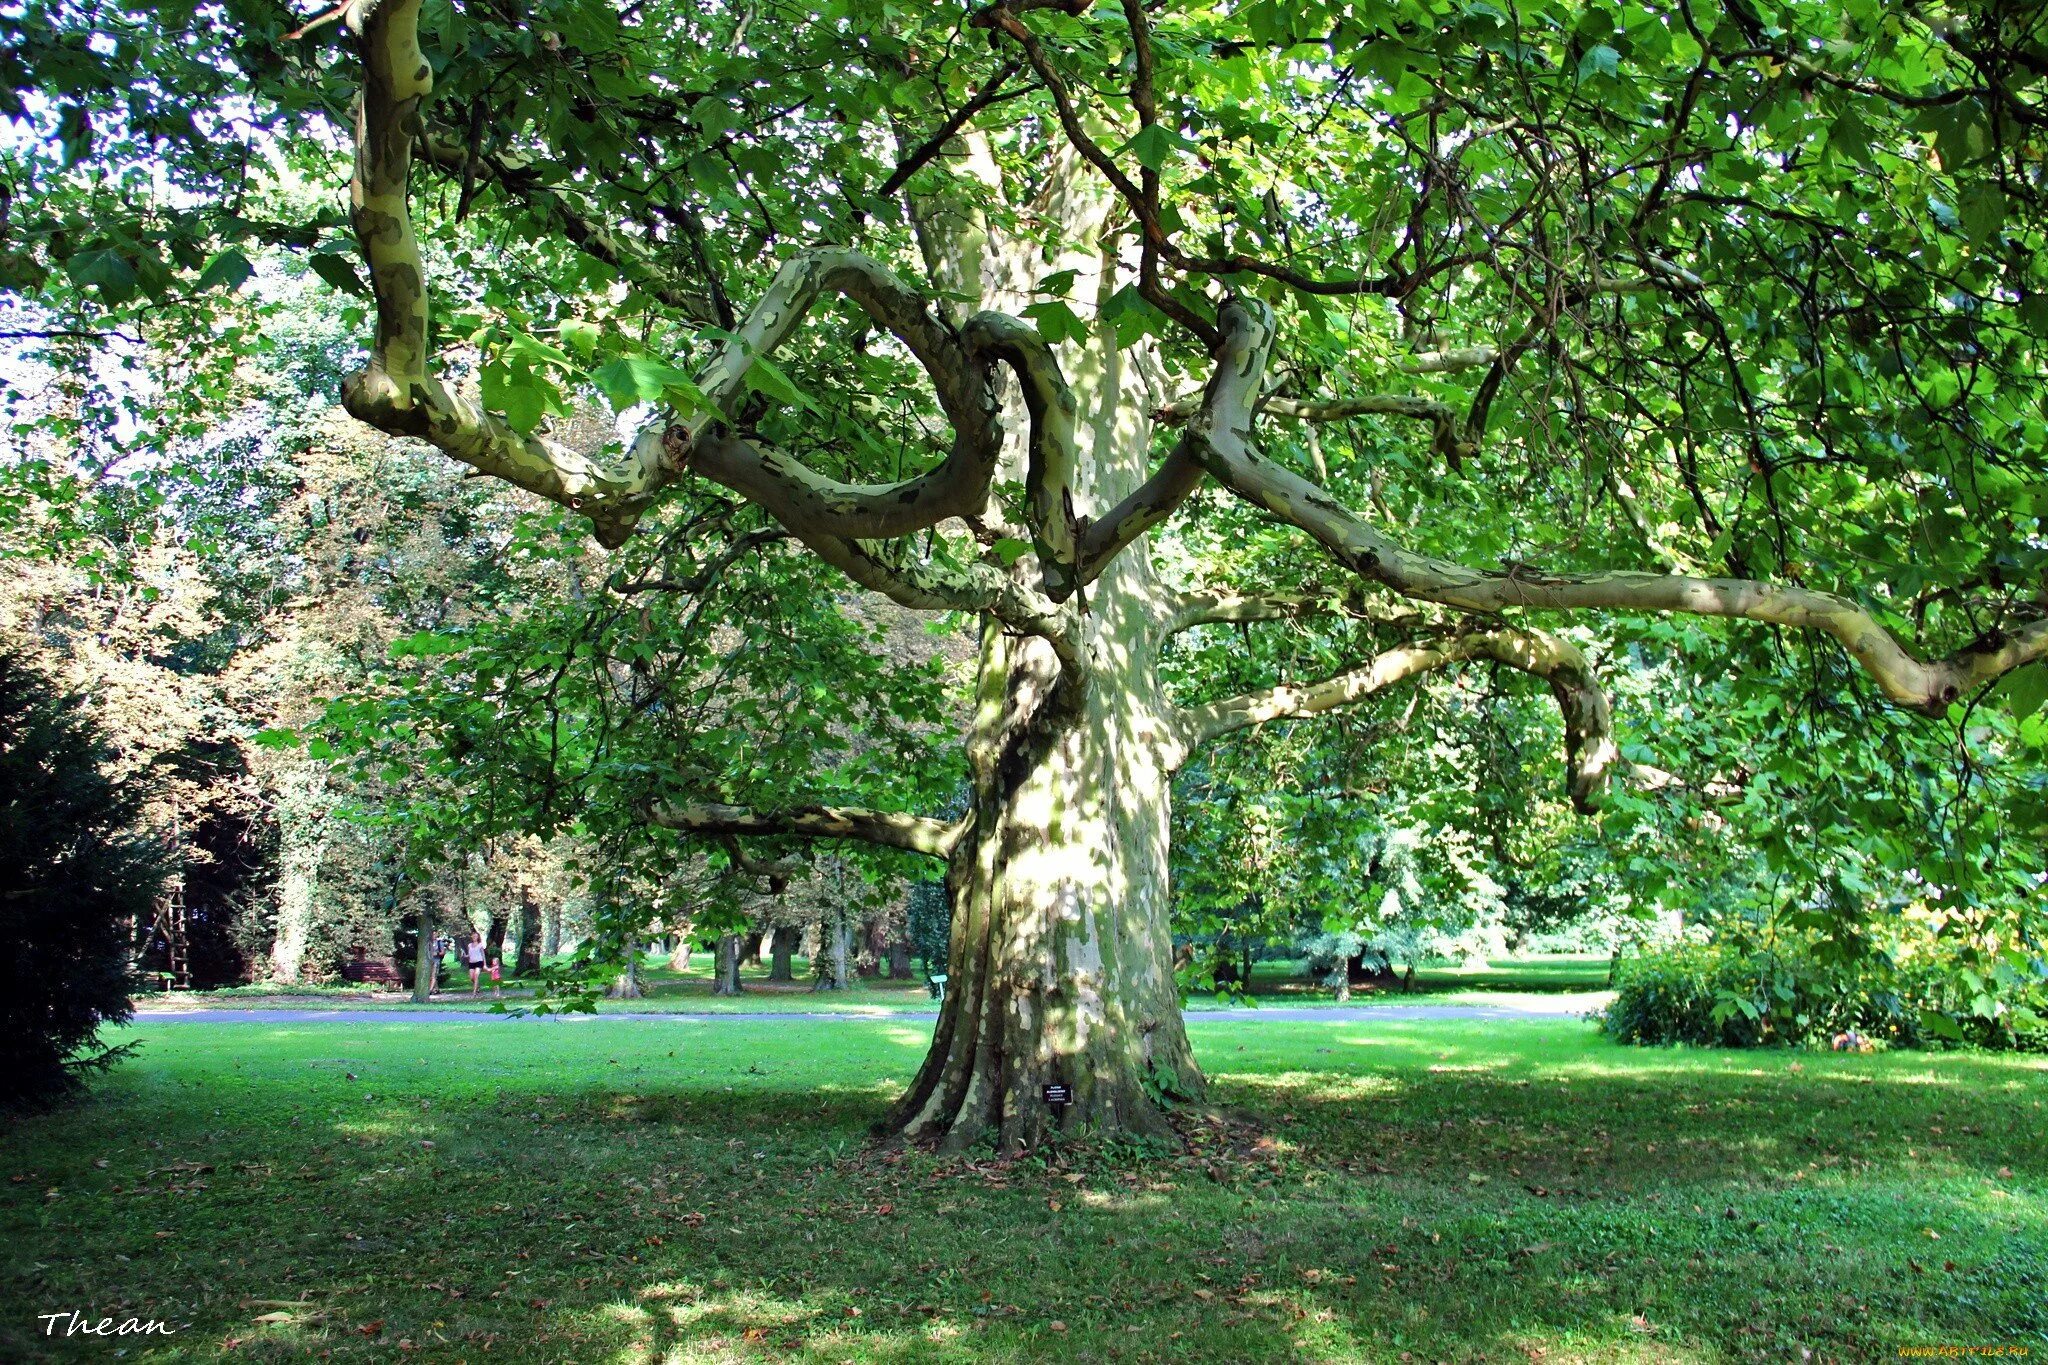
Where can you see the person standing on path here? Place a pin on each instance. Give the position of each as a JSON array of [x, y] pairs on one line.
[[473, 956]]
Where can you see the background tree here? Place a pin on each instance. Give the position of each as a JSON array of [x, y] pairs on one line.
[[82, 875]]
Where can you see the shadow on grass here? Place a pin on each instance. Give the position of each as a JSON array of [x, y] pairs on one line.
[[1448, 1191]]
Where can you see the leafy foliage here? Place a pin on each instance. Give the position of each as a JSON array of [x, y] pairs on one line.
[[1726, 995]]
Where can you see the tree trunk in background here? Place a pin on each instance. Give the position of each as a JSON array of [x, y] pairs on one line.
[[833, 952], [529, 935], [301, 795], [426, 962], [899, 958], [551, 933], [679, 956], [750, 948], [781, 947], [871, 952], [297, 870], [726, 977], [626, 986], [494, 937]]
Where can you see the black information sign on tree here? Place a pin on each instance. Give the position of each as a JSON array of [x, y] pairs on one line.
[[1058, 1096]]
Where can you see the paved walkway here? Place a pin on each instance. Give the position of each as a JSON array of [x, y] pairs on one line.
[[1331, 1014]]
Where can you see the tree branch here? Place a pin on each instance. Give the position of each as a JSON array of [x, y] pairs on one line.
[[1226, 606], [631, 256], [890, 829], [1590, 752], [1220, 421], [396, 392], [1049, 471], [991, 93], [1905, 679]]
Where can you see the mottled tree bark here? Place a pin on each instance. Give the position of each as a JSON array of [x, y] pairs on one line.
[[726, 979], [781, 947], [1061, 965]]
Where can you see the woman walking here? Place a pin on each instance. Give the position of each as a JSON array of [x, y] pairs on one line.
[[473, 956]]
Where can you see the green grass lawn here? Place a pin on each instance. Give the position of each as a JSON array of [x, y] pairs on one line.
[[700, 1190], [1277, 982]]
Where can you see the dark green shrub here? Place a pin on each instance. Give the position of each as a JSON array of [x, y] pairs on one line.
[[1724, 996], [78, 876]]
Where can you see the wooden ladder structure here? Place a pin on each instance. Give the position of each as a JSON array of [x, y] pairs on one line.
[[170, 925]]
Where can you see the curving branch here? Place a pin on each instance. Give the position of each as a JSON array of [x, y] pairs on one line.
[[808, 502], [1927, 686], [1220, 422], [1450, 438], [1050, 467], [1591, 757], [890, 829], [398, 393]]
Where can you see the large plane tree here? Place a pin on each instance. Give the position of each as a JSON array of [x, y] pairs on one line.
[[1516, 317]]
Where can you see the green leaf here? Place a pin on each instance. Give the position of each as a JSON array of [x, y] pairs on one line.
[[74, 134], [1010, 550], [229, 269], [1056, 322], [1154, 146], [580, 337], [638, 379], [764, 376], [106, 270], [339, 271], [1600, 60], [2027, 689]]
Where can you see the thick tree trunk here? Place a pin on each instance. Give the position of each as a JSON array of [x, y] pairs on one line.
[[1061, 968], [551, 933], [726, 981], [679, 955], [494, 937], [781, 947], [868, 961], [1060, 963], [750, 948], [899, 959]]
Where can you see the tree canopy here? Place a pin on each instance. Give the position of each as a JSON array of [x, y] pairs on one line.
[[1402, 337]]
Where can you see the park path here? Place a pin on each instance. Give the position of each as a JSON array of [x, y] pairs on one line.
[[1573, 1008]]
